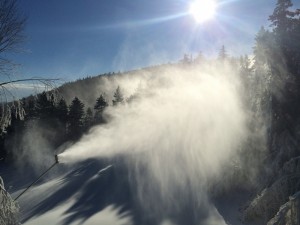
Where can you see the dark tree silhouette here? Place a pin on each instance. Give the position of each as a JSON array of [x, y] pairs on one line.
[[101, 103], [62, 111], [99, 107], [281, 17], [88, 119], [76, 116], [45, 106], [29, 105], [286, 29]]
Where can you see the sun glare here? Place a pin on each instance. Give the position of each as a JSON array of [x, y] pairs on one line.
[[202, 10]]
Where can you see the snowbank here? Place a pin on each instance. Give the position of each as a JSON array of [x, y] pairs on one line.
[[9, 210], [289, 213]]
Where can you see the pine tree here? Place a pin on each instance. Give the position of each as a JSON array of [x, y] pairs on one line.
[[277, 62], [281, 17], [286, 29], [89, 118], [30, 107], [245, 70], [118, 97], [76, 115], [265, 51], [62, 118], [264, 44], [45, 106], [99, 107], [62, 111], [101, 103], [222, 54]]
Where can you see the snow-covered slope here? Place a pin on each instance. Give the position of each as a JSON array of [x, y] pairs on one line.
[[289, 213], [97, 192], [285, 183], [84, 194]]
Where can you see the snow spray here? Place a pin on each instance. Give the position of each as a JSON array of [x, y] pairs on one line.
[[180, 131], [56, 162]]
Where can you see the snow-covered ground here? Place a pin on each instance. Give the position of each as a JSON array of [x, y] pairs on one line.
[[108, 215], [93, 192], [72, 197]]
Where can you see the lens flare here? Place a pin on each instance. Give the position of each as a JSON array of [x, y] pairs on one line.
[[202, 10]]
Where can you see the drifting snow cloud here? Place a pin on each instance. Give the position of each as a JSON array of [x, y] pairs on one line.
[[181, 130]]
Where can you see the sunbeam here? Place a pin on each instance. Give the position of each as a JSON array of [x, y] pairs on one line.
[[145, 22]]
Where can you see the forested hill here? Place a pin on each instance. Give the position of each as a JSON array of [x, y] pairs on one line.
[[90, 88]]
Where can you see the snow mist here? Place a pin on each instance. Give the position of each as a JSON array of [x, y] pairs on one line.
[[180, 131]]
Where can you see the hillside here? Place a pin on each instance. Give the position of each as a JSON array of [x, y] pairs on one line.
[[89, 89], [94, 192]]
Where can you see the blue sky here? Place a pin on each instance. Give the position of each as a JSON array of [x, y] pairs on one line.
[[70, 39]]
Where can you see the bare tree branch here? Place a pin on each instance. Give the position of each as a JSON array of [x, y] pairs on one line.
[[42, 80], [12, 24]]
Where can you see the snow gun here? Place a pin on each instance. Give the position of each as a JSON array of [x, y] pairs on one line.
[[56, 162]]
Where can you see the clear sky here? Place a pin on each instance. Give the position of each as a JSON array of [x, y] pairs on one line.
[[71, 39]]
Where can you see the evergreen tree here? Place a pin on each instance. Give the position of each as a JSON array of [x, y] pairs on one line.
[[76, 115], [99, 107], [222, 54], [286, 29], [62, 111], [45, 106], [30, 107], [62, 117], [118, 97], [281, 17], [263, 50], [277, 69], [264, 43], [89, 118], [101, 103], [245, 71]]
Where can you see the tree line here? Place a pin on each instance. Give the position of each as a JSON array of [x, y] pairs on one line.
[[66, 122]]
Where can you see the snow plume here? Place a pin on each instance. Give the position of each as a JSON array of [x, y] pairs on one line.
[[180, 131], [31, 148]]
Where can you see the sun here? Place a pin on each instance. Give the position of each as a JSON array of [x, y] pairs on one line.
[[202, 10]]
